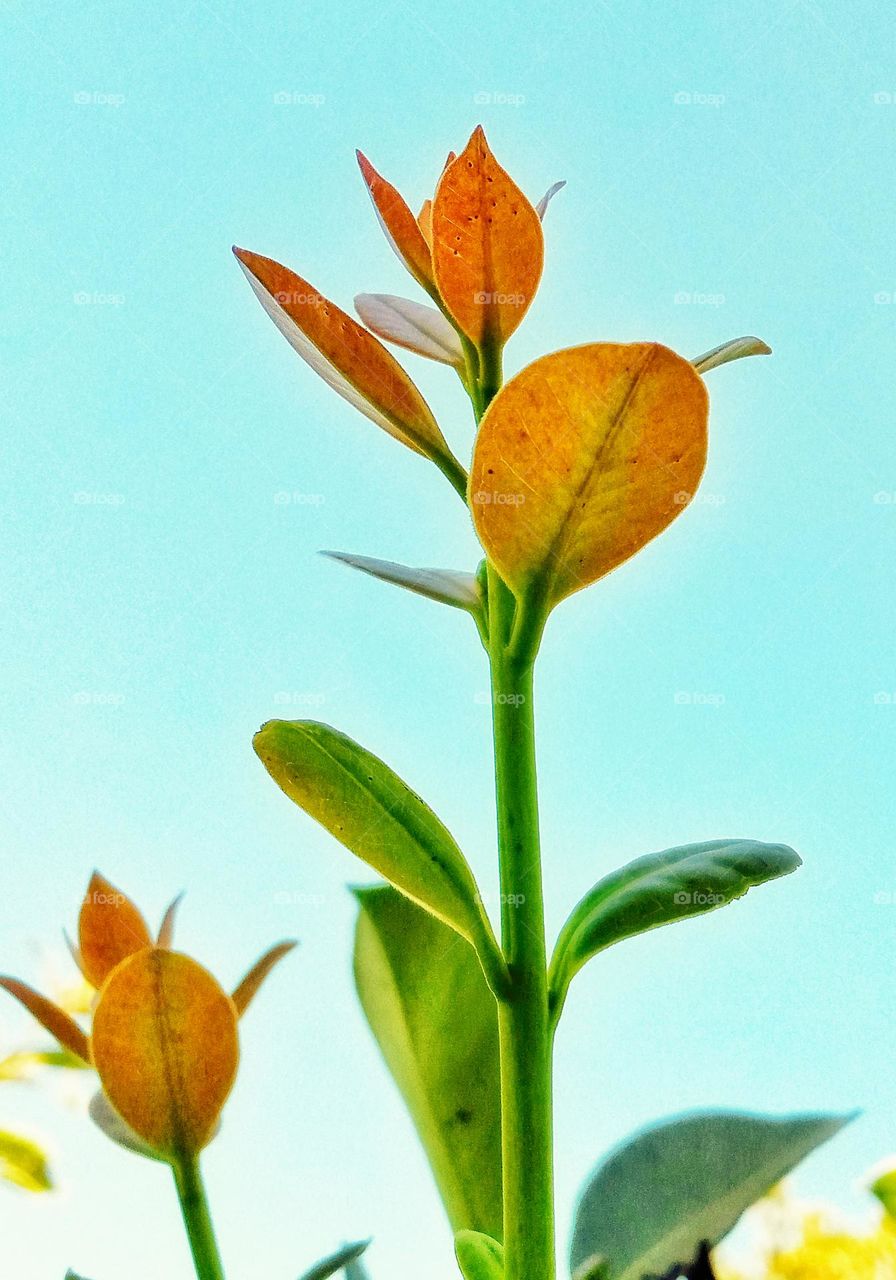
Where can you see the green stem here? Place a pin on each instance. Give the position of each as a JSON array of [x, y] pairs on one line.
[[197, 1219], [524, 1016]]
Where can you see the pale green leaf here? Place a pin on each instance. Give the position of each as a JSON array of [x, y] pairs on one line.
[[736, 349], [436, 1023], [657, 1197], [446, 586]]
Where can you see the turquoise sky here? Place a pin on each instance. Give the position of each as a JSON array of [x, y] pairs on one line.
[[730, 170]]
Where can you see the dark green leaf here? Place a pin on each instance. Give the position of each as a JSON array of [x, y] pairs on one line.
[[656, 1198], [884, 1188], [374, 814], [336, 1261], [659, 889], [479, 1256], [436, 1023]]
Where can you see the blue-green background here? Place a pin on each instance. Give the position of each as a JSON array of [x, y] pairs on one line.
[[159, 601]]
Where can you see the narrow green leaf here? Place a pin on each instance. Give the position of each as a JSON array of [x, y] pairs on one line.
[[479, 1256], [73, 1275], [373, 813], [436, 1024], [658, 1196], [22, 1065], [659, 889], [343, 1257], [23, 1163], [447, 586], [884, 1188], [736, 349]]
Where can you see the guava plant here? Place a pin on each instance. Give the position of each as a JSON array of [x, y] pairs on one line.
[[578, 462]]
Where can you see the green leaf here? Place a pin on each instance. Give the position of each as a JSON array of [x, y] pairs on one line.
[[446, 586], [436, 1023], [373, 813], [657, 1197], [736, 349], [22, 1065], [479, 1256], [23, 1163], [73, 1275], [659, 889], [343, 1257], [884, 1188]]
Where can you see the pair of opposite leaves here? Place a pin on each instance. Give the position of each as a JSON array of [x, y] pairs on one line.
[[584, 456], [163, 1039]]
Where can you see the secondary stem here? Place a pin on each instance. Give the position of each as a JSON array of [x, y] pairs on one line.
[[197, 1219], [524, 1019]]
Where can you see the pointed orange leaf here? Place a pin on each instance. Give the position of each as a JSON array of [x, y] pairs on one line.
[[584, 457], [487, 243], [401, 227], [248, 988], [166, 928], [347, 357], [424, 221], [166, 1047], [51, 1017], [110, 928]]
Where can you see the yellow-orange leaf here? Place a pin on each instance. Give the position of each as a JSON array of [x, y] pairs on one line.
[[401, 227], [51, 1017], [166, 1047], [487, 244], [584, 457], [110, 929], [424, 221], [348, 358], [248, 988]]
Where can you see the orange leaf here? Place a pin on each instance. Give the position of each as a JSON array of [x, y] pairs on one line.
[[424, 221], [348, 358], [488, 246], [401, 227], [166, 928], [584, 457], [110, 928], [248, 988], [51, 1017], [166, 1047]]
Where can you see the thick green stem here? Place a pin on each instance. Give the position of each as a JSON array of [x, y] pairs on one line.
[[197, 1219], [524, 1017]]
